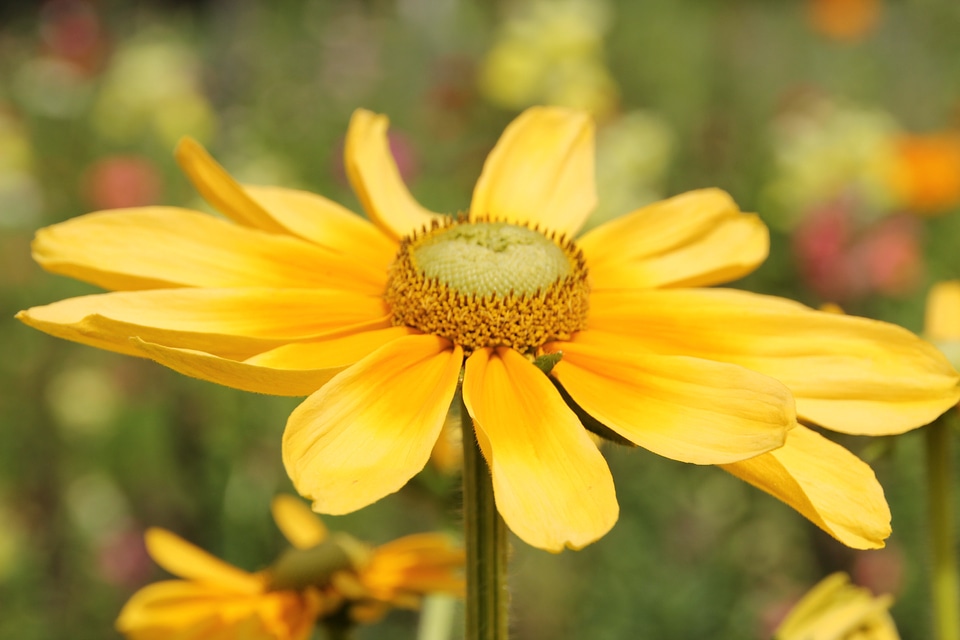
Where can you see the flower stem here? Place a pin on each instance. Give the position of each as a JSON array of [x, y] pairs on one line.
[[945, 580], [486, 542]]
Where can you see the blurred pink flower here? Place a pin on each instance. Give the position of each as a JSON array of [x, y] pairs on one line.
[[122, 558], [119, 182], [880, 570], [71, 30], [840, 259]]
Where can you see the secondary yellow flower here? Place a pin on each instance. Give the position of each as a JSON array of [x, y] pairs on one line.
[[213, 599], [837, 610], [377, 322], [284, 602]]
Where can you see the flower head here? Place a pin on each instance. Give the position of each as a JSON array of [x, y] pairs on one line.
[[836, 609], [324, 577], [379, 322]]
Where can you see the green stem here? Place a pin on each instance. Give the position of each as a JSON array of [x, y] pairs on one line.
[[946, 581], [486, 542]]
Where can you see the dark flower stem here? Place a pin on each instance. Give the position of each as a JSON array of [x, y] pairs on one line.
[[945, 578], [486, 542]]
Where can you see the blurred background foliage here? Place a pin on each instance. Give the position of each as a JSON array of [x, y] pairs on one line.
[[837, 120]]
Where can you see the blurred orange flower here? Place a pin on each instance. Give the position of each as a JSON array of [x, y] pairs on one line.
[[322, 577], [844, 20], [926, 171]]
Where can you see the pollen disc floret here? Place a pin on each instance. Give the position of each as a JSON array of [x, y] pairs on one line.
[[489, 283]]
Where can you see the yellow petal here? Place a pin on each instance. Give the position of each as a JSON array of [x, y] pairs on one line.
[[541, 171], [943, 312], [682, 408], [329, 352], [157, 247], [827, 484], [155, 611], [219, 189], [195, 611], [233, 323], [418, 564], [695, 239], [372, 427], [327, 224], [299, 525], [293, 370], [376, 179], [550, 483], [185, 560], [849, 374]]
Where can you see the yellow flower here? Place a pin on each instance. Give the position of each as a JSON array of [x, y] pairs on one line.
[[217, 600], [377, 322], [551, 51], [837, 610]]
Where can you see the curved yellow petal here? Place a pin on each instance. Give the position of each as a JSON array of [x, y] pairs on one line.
[[550, 483], [541, 171], [376, 179], [695, 239], [848, 374], [187, 608], [327, 224], [220, 189], [827, 484], [185, 560], [158, 247], [233, 323], [292, 370], [682, 408], [333, 351], [195, 611], [298, 524], [372, 427]]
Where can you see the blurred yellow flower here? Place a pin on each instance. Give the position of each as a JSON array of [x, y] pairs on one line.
[[153, 85], [942, 319], [314, 581], [837, 610], [824, 150], [551, 52], [380, 322]]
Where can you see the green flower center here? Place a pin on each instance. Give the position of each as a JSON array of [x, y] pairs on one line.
[[492, 258], [487, 283]]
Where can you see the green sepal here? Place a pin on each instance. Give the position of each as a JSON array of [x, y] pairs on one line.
[[548, 361], [297, 569]]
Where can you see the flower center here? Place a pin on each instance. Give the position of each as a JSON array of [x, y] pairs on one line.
[[487, 284]]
